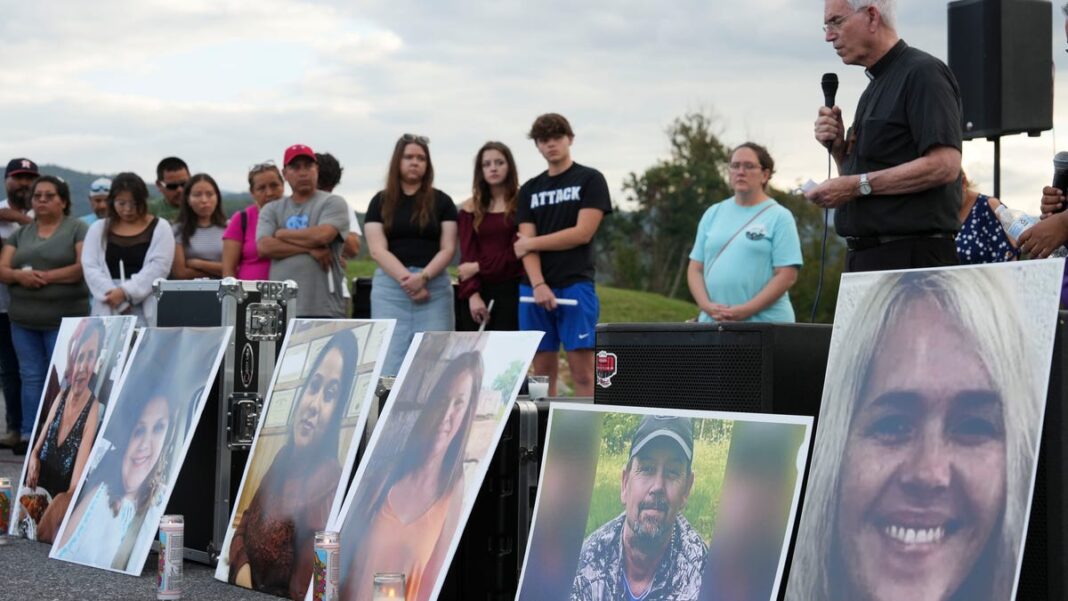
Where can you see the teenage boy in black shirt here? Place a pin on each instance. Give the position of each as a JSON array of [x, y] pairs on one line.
[[559, 212]]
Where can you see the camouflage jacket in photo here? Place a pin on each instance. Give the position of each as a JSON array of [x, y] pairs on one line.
[[600, 571]]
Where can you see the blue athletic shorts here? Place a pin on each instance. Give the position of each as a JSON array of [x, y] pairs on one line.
[[572, 326]]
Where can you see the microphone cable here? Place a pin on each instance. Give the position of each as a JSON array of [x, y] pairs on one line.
[[823, 251]]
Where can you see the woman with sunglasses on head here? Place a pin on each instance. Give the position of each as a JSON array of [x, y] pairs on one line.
[[411, 234], [747, 253], [124, 253], [489, 269], [198, 244], [41, 264], [240, 259]]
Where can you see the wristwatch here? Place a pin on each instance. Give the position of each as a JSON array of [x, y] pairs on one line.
[[865, 185]]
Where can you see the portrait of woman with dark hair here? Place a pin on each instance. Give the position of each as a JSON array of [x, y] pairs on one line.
[[272, 546], [408, 506], [921, 474], [122, 491]]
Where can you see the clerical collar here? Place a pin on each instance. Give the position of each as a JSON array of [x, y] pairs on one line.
[[884, 63]]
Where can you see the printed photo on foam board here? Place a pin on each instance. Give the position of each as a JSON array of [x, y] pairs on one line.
[[88, 359], [708, 499], [303, 453], [114, 515], [427, 457], [924, 463]]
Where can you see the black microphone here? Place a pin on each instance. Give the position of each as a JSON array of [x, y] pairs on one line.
[[830, 88], [829, 83], [1060, 174]]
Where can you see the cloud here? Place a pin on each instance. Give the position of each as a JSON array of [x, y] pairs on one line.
[[110, 86]]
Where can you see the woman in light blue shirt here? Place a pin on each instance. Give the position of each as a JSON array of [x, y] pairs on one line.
[[747, 253]]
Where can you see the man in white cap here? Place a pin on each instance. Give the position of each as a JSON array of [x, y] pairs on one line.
[[98, 200]]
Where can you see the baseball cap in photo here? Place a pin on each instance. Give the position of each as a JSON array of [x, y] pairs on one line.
[[19, 166], [298, 150], [100, 187], [677, 429]]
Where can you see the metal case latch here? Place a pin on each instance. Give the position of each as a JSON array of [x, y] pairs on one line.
[[263, 322], [243, 416]]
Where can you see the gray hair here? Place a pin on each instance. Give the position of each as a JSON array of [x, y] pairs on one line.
[[887, 9], [984, 304]]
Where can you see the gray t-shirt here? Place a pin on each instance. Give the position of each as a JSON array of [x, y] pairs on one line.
[[44, 308], [206, 242], [314, 296], [6, 229]]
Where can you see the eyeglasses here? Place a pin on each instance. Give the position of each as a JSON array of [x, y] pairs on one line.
[[267, 165], [425, 141], [172, 186], [744, 167], [835, 24], [125, 204]]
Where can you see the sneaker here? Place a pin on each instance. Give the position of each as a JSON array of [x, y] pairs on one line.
[[21, 447], [9, 440]]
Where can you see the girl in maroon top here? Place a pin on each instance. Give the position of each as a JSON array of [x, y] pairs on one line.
[[489, 269]]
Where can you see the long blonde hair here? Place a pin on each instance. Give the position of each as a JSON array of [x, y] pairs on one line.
[[985, 306]]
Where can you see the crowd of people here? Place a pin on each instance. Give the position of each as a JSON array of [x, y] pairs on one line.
[[55, 265]]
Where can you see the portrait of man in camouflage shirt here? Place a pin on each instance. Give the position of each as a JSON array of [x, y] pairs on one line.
[[649, 552]]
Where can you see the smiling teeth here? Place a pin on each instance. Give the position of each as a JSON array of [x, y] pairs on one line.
[[912, 536]]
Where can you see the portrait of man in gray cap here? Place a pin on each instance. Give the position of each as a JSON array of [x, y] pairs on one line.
[[650, 551]]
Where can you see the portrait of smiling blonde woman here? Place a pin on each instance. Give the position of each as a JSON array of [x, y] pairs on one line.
[[920, 481]]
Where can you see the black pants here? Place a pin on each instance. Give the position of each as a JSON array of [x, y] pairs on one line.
[[909, 253], [505, 315], [9, 376]]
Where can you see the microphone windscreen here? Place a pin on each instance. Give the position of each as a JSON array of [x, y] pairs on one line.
[[829, 83]]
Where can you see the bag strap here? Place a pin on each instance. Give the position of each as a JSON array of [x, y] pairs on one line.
[[244, 225], [728, 243]]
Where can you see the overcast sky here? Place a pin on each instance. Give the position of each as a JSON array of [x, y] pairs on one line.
[[109, 86]]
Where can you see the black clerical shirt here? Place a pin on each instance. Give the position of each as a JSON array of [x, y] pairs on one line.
[[911, 105]]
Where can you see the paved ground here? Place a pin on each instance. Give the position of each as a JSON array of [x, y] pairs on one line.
[[29, 575]]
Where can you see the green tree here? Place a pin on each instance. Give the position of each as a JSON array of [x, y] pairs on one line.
[[651, 244], [504, 382]]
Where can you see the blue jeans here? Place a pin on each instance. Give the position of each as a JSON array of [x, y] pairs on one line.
[[389, 301], [9, 375], [35, 354]]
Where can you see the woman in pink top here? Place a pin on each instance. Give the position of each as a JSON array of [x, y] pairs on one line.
[[240, 258]]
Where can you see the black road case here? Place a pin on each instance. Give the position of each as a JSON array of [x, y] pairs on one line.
[[217, 455], [490, 554]]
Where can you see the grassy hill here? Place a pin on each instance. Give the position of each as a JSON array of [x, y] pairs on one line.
[[617, 304]]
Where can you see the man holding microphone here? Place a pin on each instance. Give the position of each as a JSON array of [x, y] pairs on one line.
[[899, 190]]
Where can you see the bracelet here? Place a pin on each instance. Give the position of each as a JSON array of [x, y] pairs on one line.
[[542, 283], [425, 276]]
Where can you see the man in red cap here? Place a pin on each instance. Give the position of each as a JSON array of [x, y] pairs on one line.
[[14, 211], [303, 233]]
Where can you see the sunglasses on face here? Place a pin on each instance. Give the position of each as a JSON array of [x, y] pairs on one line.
[[425, 141], [174, 185]]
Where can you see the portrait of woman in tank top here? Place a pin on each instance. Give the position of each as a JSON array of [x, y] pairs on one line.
[[73, 415], [407, 512]]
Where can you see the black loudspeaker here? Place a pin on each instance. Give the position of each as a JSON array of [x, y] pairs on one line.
[[361, 298], [1044, 573], [1001, 54], [747, 367]]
